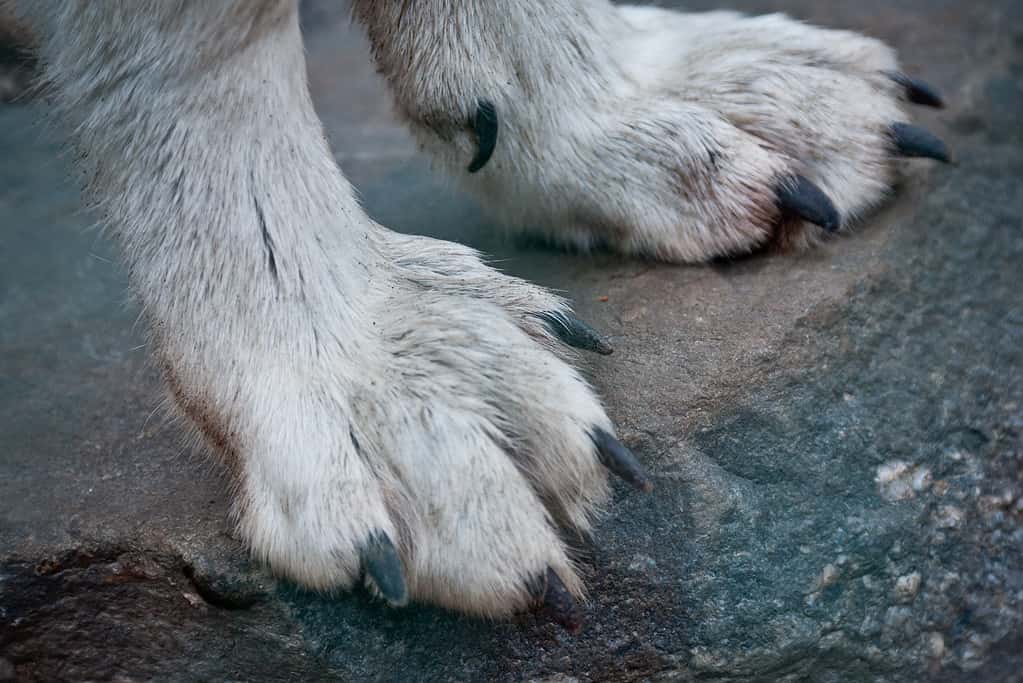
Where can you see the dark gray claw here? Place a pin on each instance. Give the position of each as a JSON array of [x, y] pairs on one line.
[[559, 605], [383, 566], [917, 91], [914, 141], [485, 125], [801, 198], [576, 333], [620, 460]]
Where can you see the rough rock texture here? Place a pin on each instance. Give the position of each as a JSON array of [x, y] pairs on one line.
[[836, 437]]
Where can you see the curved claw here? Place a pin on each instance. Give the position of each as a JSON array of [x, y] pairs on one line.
[[382, 564], [559, 605], [574, 332], [917, 91], [800, 197], [914, 141], [486, 126], [620, 460]]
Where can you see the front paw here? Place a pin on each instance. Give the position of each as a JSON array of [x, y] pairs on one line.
[[444, 453], [714, 135]]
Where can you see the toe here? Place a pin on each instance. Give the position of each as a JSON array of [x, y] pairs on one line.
[[916, 142], [384, 570], [620, 460], [801, 198], [558, 604], [576, 333], [917, 91]]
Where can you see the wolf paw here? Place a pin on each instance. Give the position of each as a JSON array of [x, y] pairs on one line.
[[691, 136], [440, 447]]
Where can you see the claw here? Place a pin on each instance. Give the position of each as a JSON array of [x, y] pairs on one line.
[[560, 606], [576, 333], [620, 460], [917, 91], [486, 127], [914, 141], [383, 566], [800, 197]]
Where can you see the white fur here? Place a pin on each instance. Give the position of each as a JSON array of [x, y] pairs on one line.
[[657, 133], [358, 381]]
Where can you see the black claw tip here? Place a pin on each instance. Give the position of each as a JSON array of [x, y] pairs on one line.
[[620, 460], [800, 197], [576, 333], [914, 141], [917, 91], [383, 566], [559, 605], [485, 126]]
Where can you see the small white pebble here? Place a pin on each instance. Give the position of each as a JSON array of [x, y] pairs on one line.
[[906, 587], [827, 577], [891, 471], [936, 644], [922, 480], [193, 599], [949, 517], [898, 480]]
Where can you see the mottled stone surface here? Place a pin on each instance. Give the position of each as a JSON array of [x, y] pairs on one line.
[[835, 437]]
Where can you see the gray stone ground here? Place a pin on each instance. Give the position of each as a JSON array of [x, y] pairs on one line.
[[835, 436]]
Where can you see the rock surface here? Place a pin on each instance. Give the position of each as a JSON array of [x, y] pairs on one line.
[[835, 437]]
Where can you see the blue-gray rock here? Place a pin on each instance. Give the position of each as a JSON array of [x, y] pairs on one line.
[[835, 437]]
